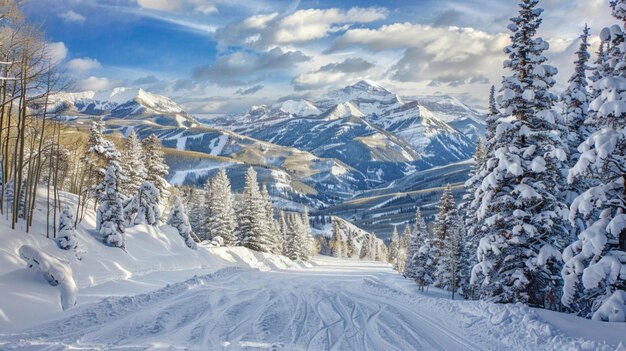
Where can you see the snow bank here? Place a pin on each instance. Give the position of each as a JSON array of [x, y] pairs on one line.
[[154, 257], [57, 273]]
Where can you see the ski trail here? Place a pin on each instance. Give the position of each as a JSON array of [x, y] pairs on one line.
[[335, 305]]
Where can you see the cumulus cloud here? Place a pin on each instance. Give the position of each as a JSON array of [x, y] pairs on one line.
[[249, 91], [240, 68], [93, 83], [445, 55], [80, 65], [266, 30], [57, 52], [72, 16], [332, 73]]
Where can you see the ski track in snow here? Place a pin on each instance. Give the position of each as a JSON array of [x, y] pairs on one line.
[[335, 305]]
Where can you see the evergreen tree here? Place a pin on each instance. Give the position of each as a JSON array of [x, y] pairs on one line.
[[195, 203], [468, 210], [156, 169], [576, 98], [100, 154], [336, 242], [416, 241], [132, 165], [394, 248], [253, 223], [306, 236], [143, 207], [272, 225], [446, 242], [520, 203], [179, 220], [67, 233], [110, 212], [593, 274], [220, 214]]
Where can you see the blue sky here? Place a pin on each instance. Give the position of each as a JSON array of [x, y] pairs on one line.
[[220, 56]]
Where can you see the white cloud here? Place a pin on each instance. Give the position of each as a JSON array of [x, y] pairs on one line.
[[93, 83], [57, 52], [447, 55], [72, 16], [201, 6], [267, 30], [79, 65]]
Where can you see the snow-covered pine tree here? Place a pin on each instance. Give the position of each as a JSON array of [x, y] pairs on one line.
[[576, 98], [156, 169], [446, 242], [467, 209], [100, 154], [132, 165], [110, 212], [404, 248], [179, 220], [394, 248], [425, 265], [195, 206], [595, 264], [418, 237], [143, 207], [253, 223], [336, 242], [307, 236], [521, 203], [272, 225], [67, 233], [220, 214]]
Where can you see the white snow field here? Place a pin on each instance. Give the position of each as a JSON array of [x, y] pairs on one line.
[[161, 295]]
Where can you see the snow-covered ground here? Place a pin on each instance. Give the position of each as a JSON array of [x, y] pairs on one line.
[[159, 294]]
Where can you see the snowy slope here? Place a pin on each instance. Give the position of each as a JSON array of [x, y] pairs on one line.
[[301, 108], [159, 294], [454, 112]]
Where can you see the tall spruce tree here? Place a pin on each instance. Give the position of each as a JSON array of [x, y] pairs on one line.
[[110, 212], [100, 154], [446, 242], [156, 169], [419, 235], [253, 223], [576, 97], [394, 248], [132, 165], [521, 200], [595, 264], [220, 214]]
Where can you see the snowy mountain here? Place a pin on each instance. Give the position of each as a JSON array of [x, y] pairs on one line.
[[342, 133], [367, 96], [302, 108], [454, 112], [435, 140], [122, 103]]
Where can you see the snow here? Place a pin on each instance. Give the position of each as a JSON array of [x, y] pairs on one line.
[[343, 110], [301, 108], [57, 273], [162, 295]]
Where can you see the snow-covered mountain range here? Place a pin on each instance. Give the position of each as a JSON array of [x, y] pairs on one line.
[[318, 152], [123, 103]]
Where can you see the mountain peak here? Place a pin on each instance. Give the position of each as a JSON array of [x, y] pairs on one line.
[[298, 107], [368, 85], [343, 110]]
